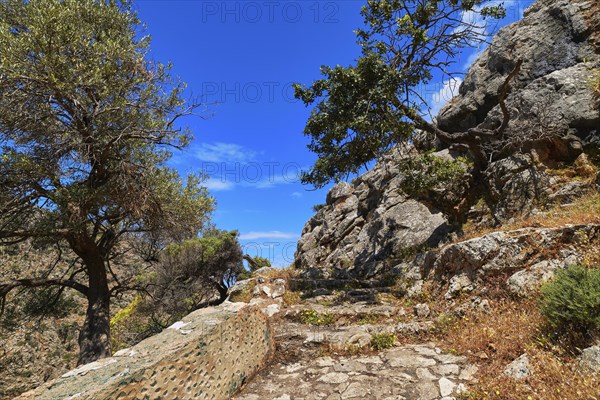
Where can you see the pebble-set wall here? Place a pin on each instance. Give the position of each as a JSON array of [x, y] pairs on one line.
[[207, 356]]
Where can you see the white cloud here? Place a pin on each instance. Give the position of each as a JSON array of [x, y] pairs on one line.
[[223, 152], [218, 185], [230, 165], [444, 95], [272, 181], [483, 27], [268, 235], [473, 22], [225, 182]]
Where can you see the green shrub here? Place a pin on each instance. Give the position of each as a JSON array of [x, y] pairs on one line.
[[571, 302], [381, 341], [312, 317], [427, 171], [123, 323]]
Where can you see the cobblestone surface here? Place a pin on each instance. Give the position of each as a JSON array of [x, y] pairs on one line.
[[407, 372]]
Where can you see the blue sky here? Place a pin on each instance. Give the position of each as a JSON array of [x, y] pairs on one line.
[[240, 58]]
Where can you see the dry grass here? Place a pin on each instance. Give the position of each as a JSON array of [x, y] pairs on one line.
[[585, 169], [281, 273], [493, 340], [595, 82], [290, 298], [585, 210], [590, 254], [498, 337], [553, 379]]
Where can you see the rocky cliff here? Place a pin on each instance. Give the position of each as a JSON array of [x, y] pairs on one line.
[[557, 42], [369, 226]]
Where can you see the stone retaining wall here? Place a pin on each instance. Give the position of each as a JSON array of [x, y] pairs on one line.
[[208, 355]]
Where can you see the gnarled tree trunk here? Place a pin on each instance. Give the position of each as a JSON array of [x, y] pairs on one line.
[[94, 337]]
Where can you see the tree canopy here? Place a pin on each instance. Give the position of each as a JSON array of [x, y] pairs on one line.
[[191, 271], [87, 125], [363, 110]]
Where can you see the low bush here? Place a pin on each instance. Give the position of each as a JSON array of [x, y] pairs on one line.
[[571, 302], [312, 317], [427, 171], [131, 325], [382, 341]]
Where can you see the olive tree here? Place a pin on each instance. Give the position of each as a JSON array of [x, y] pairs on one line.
[[197, 272], [87, 125], [363, 110]]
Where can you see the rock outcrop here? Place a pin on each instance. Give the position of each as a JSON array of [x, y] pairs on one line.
[[264, 289], [551, 103], [590, 359], [366, 227], [556, 41], [528, 256], [208, 355], [369, 226], [519, 368]]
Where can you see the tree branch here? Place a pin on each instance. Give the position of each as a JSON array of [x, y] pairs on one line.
[[253, 265], [503, 95], [6, 287], [24, 234]]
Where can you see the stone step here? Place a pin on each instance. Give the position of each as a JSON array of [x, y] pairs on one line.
[[339, 284], [359, 309]]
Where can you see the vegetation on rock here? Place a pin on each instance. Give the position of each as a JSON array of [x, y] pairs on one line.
[[595, 81], [312, 317], [427, 171], [382, 341]]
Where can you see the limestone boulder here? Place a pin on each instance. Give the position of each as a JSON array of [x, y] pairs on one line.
[[525, 281], [550, 102], [519, 368], [555, 40], [590, 358]]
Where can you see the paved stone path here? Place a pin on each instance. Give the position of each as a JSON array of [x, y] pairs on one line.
[[408, 372], [299, 372]]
